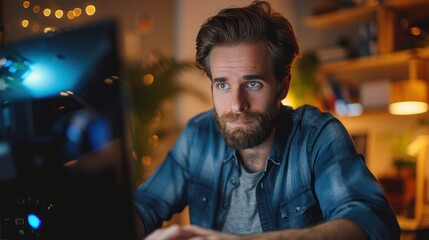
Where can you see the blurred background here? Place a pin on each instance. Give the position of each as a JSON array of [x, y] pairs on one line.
[[359, 58]]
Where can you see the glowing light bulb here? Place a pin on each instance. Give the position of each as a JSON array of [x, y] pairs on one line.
[[77, 12], [90, 10], [48, 29], [59, 13], [47, 12], [36, 9], [25, 23], [26, 4], [70, 14], [148, 79], [416, 31]]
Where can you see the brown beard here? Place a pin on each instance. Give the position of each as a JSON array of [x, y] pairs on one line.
[[247, 137]]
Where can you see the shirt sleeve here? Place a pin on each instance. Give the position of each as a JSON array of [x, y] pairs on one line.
[[346, 188], [164, 192]]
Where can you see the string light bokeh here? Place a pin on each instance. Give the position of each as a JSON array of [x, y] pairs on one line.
[[55, 13]]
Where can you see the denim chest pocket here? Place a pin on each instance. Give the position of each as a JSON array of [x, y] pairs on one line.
[[301, 211], [201, 203], [200, 193]]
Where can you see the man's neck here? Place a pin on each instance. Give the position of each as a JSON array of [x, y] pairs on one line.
[[254, 159]]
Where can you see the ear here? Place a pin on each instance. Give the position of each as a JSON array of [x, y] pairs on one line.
[[284, 85]]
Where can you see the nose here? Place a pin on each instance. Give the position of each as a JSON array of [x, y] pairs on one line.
[[239, 101]]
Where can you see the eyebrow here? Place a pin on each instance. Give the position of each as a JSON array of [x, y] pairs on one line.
[[246, 77], [253, 77], [219, 79]]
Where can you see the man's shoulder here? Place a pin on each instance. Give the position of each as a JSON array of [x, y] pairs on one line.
[[206, 117], [203, 122], [308, 114]]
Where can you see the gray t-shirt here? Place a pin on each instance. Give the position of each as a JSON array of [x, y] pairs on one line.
[[243, 217]]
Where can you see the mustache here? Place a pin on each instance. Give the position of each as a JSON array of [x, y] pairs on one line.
[[245, 116]]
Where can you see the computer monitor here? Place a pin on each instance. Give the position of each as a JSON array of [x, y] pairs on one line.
[[64, 170]]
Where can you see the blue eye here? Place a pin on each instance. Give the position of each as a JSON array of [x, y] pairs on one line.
[[222, 86], [254, 84]]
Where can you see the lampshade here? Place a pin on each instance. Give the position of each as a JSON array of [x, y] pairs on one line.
[[410, 96]]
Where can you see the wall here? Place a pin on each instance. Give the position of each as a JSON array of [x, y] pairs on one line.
[[383, 131]]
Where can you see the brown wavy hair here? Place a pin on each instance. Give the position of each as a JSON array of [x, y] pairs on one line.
[[253, 23]]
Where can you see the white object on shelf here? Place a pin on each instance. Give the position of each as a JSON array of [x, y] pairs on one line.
[[375, 94]]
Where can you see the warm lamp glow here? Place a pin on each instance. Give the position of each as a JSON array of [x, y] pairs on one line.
[[148, 79], [25, 23], [47, 12], [48, 29], [70, 14], [410, 96], [416, 31], [408, 108], [59, 13], [77, 12], [26, 4], [90, 10], [36, 9]]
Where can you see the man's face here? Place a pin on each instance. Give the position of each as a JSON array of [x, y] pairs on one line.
[[244, 93]]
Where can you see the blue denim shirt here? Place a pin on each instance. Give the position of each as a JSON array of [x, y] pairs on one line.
[[313, 175]]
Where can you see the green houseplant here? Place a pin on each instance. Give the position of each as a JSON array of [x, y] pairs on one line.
[[149, 85]]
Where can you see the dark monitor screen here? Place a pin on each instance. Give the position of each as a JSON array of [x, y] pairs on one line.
[[63, 163]]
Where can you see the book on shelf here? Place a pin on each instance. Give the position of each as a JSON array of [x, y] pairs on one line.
[[338, 98], [368, 38]]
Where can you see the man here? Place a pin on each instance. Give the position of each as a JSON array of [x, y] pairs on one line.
[[252, 168]]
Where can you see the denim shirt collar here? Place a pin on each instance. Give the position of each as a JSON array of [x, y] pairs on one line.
[[283, 130]]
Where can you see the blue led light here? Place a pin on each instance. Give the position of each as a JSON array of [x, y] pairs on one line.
[[8, 63], [34, 221], [13, 69]]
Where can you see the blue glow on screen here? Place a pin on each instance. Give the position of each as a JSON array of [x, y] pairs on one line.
[[8, 63], [59, 62], [12, 69], [34, 221], [46, 80]]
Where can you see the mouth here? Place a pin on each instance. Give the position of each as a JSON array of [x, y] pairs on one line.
[[238, 119], [239, 123]]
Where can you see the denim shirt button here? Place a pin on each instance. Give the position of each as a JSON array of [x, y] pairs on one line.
[[297, 209], [204, 199], [233, 181]]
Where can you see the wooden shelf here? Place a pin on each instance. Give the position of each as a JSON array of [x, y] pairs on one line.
[[405, 3], [342, 17], [353, 15], [390, 65]]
